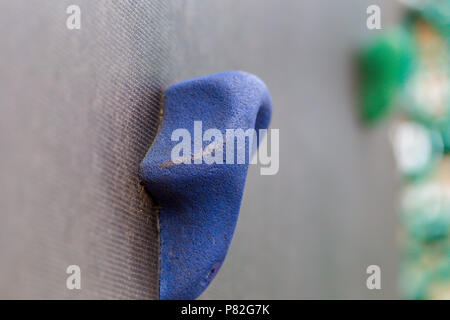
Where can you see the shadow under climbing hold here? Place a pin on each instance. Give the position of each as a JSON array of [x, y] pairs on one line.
[[199, 202]]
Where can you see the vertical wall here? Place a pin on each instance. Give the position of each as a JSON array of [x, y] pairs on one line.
[[79, 110], [312, 230]]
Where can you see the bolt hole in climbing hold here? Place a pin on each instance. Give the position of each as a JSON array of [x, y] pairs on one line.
[[213, 271]]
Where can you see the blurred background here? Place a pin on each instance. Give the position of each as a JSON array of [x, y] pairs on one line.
[[79, 109]]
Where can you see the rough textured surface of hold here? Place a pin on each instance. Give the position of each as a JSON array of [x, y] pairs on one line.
[[200, 202]]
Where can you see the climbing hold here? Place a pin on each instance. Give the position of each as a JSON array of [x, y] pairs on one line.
[[384, 66], [199, 202]]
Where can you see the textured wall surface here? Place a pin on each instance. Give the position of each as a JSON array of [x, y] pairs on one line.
[[78, 113], [312, 230]]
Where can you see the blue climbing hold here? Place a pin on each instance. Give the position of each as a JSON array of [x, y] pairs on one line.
[[199, 202]]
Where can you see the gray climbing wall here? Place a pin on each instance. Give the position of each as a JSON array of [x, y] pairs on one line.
[[78, 112], [312, 230]]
